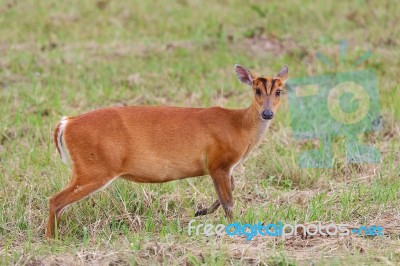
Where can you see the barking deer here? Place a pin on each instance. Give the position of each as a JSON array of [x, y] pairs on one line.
[[159, 144]]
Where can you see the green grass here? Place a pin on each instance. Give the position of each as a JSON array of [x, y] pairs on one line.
[[59, 58]]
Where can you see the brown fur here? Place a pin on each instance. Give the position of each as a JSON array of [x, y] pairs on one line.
[[160, 144], [56, 131]]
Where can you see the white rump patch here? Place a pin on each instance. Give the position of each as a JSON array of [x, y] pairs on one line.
[[61, 143]]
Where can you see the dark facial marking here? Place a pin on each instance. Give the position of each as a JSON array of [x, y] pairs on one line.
[[272, 85], [264, 81]]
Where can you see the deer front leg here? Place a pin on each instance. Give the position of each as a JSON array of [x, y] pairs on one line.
[[222, 184], [215, 204], [208, 210]]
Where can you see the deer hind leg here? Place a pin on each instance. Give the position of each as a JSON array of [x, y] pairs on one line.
[[215, 205], [79, 188]]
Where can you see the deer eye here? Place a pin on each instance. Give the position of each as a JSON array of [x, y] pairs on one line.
[[258, 92], [278, 93]]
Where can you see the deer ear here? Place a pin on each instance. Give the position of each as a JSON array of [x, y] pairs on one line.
[[244, 75], [283, 73]]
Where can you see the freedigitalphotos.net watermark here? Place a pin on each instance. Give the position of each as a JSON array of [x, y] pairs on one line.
[[281, 229]]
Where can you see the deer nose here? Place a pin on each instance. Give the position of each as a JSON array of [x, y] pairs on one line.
[[267, 114]]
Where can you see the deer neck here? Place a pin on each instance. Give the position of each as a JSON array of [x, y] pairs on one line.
[[253, 123]]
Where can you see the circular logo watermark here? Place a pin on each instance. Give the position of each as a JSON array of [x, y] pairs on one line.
[[348, 102]]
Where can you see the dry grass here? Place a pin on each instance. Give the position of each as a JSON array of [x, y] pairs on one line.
[[58, 58]]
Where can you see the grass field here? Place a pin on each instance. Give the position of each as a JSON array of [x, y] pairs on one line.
[[66, 58]]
